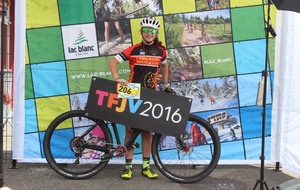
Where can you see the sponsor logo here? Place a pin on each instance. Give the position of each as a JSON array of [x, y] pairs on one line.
[[80, 49], [80, 41]]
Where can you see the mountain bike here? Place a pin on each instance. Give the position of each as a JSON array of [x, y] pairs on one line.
[[174, 72], [77, 146], [204, 36]]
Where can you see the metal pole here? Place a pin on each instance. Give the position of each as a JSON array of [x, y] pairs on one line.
[[261, 182], [277, 167], [3, 13]]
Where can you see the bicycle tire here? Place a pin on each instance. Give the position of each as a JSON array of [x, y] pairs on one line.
[[189, 163], [65, 153]]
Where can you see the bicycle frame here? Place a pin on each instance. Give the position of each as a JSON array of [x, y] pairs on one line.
[[110, 153], [85, 158], [129, 143]]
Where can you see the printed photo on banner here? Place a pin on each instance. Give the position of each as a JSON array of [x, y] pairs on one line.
[[78, 101], [209, 94], [204, 5], [113, 25], [195, 135], [106, 10], [225, 122], [198, 28], [184, 64]]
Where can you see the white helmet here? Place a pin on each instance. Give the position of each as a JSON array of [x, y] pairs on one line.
[[150, 22]]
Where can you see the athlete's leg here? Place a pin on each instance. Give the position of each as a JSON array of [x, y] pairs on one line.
[[120, 31], [146, 149], [106, 33], [127, 172]]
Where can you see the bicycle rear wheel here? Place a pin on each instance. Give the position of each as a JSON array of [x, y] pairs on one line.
[[70, 145], [187, 159]]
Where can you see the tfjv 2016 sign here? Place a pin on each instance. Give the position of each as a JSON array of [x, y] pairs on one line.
[[154, 111]]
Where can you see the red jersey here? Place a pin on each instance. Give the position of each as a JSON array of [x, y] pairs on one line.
[[144, 61]]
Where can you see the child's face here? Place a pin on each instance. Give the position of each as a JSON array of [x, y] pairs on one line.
[[149, 34]]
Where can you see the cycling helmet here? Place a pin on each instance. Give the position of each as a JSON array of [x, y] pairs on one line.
[[150, 22]]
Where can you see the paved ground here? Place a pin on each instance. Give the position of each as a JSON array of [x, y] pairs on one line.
[[224, 177]]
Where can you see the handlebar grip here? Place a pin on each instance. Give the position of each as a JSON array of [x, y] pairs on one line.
[[169, 90]]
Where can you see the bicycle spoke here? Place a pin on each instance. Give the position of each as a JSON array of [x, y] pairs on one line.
[[188, 158], [72, 144]]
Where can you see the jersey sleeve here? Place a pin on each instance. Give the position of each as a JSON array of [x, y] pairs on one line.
[[124, 55], [164, 57]]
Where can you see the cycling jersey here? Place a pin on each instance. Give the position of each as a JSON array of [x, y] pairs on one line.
[[144, 61]]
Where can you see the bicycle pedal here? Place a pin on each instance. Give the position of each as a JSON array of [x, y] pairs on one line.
[[136, 145], [120, 151]]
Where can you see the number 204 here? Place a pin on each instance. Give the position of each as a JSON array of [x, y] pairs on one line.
[[157, 111]]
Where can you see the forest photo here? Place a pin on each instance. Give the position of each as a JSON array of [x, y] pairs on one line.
[[199, 28]]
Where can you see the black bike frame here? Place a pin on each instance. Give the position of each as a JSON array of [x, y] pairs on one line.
[[128, 144]]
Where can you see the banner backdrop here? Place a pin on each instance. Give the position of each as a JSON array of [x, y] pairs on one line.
[[216, 52]]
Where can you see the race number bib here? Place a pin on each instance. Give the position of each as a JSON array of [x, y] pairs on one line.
[[132, 90]]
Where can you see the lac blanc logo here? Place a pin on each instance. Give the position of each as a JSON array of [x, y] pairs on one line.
[[80, 48], [80, 41]]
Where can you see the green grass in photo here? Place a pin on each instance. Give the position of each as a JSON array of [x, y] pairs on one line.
[[174, 33], [202, 5], [178, 34], [220, 31]]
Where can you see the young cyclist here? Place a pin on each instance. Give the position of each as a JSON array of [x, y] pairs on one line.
[[144, 60]]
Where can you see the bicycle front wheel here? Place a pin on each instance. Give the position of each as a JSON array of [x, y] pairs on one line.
[[74, 144], [191, 156]]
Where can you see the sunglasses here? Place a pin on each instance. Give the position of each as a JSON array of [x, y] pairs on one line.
[[148, 30]]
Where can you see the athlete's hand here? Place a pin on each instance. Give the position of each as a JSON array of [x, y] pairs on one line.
[[166, 85], [168, 89], [122, 81]]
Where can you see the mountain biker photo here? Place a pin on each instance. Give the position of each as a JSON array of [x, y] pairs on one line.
[[144, 60]]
